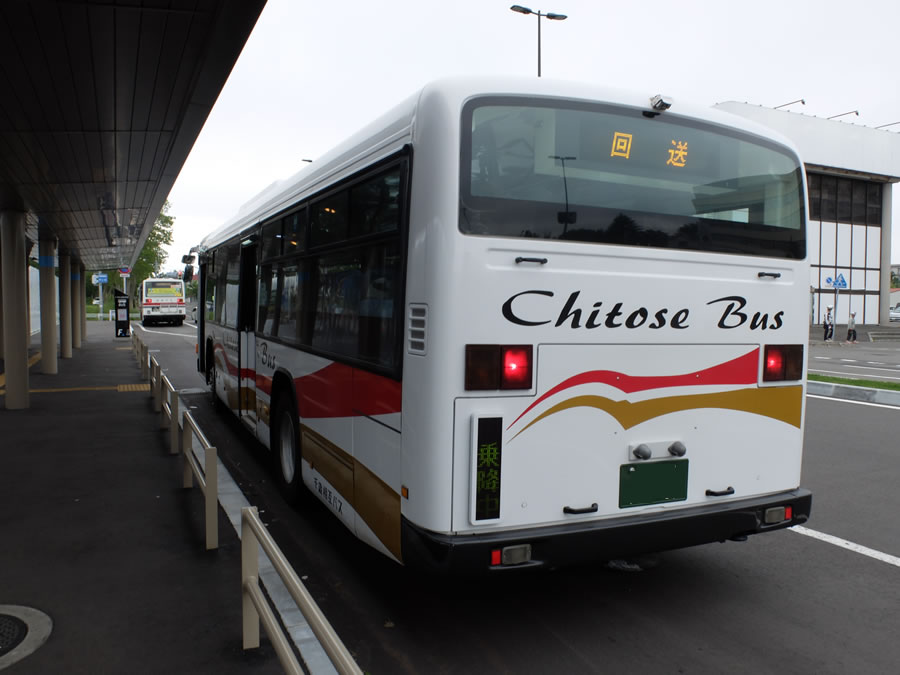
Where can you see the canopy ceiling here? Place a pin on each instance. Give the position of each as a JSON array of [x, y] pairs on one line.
[[100, 104]]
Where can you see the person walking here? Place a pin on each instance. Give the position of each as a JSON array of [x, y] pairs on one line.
[[829, 325], [851, 328]]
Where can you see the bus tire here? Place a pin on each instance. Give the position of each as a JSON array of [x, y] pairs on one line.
[[178, 322], [211, 378], [285, 444]]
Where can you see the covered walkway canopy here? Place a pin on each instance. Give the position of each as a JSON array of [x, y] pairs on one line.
[[100, 104]]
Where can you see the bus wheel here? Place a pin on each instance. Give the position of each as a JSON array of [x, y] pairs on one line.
[[286, 448], [211, 378]]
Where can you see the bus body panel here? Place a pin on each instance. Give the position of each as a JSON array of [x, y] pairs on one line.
[[594, 314], [637, 383]]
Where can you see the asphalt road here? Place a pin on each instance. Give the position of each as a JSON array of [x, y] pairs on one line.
[[786, 602], [869, 360]]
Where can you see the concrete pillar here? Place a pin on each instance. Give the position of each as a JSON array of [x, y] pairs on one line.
[[1, 301], [77, 303], [15, 361], [28, 246], [884, 300], [65, 306], [47, 261], [83, 295]]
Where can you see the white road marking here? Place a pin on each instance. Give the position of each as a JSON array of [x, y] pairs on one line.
[[849, 545], [162, 332], [849, 375], [846, 400]]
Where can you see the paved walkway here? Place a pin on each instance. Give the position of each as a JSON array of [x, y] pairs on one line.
[[99, 536]]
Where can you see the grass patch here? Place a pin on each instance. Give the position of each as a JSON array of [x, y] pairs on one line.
[[871, 384]]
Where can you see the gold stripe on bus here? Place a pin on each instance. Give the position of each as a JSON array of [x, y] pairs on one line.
[[335, 465], [780, 403], [372, 499]]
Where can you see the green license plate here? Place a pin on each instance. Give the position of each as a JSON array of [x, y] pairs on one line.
[[643, 483]]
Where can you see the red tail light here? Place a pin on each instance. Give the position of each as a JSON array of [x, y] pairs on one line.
[[783, 362], [498, 367], [516, 367]]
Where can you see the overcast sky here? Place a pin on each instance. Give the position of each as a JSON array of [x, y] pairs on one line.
[[312, 73]]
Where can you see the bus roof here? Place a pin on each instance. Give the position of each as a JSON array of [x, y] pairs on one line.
[[396, 127]]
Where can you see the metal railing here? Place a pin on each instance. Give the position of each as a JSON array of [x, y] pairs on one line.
[[156, 384], [169, 413], [256, 609], [140, 353], [207, 477]]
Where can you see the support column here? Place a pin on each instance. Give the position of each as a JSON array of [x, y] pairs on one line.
[[82, 285], [77, 303], [1, 300], [65, 306], [28, 246], [47, 260], [15, 361], [887, 217]]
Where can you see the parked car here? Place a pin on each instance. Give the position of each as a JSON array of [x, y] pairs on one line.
[[895, 313]]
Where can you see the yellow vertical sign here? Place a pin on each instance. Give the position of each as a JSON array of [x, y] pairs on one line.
[[678, 153], [621, 145]]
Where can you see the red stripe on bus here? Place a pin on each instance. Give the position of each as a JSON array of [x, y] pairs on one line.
[[742, 370], [338, 390]]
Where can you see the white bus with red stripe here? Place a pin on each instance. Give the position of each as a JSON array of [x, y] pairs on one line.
[[162, 301], [513, 324]]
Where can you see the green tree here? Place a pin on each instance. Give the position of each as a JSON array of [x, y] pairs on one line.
[[153, 255]]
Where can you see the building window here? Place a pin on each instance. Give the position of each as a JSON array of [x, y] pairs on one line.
[[845, 242]]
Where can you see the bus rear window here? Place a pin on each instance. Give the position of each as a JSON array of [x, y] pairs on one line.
[[162, 289], [611, 175]]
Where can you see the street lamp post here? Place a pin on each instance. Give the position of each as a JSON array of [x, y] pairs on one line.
[[550, 15]]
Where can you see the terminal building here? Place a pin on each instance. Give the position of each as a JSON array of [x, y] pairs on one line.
[[851, 171]]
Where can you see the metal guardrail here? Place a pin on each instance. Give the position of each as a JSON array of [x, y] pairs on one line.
[[207, 478], [156, 384], [256, 608], [140, 353], [169, 413]]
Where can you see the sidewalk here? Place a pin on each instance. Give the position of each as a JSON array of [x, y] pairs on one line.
[[99, 535], [866, 334]]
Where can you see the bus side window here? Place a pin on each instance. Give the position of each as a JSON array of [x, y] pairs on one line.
[[377, 309], [289, 290], [221, 267], [329, 217], [268, 287], [209, 299], [229, 315]]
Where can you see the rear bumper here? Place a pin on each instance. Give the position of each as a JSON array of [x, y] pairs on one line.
[[602, 540]]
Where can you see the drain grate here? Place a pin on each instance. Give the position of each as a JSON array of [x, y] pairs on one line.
[[12, 632]]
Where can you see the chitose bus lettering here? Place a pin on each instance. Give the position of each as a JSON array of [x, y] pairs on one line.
[[512, 325]]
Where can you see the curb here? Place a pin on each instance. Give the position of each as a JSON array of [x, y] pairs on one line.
[[849, 392]]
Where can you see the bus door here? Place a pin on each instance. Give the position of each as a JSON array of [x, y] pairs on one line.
[[247, 339]]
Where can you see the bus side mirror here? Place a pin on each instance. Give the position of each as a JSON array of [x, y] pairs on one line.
[[188, 273]]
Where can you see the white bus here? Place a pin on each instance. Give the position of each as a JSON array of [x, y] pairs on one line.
[[162, 301], [513, 324]]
